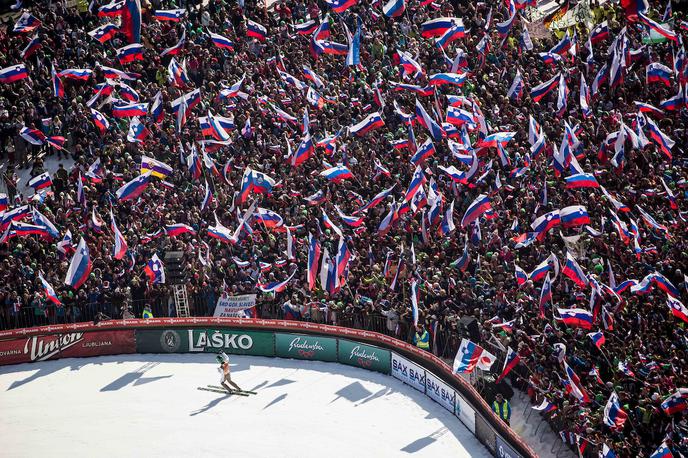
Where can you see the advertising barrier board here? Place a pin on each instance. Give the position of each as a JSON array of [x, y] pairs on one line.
[[306, 347], [67, 345], [440, 392], [504, 450], [237, 342], [365, 356], [408, 372], [465, 413]]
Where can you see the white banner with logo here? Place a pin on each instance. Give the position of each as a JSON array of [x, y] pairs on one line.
[[235, 306], [440, 392], [408, 372]]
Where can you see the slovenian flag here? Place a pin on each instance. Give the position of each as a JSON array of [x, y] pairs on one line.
[[13, 73], [439, 79], [155, 270], [575, 318], [255, 30], [41, 181], [575, 385], [104, 33], [177, 229], [511, 361], [26, 23], [475, 210], [122, 110], [79, 266], [574, 215], [49, 291], [133, 188], [454, 32], [581, 180], [169, 15], [130, 53], [437, 27], [120, 247], [220, 41], [574, 271], [112, 9], [541, 90], [394, 8], [274, 286], [614, 416]]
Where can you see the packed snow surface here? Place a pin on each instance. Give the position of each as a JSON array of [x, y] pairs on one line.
[[149, 405]]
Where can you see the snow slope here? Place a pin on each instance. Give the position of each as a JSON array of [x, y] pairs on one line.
[[149, 405]]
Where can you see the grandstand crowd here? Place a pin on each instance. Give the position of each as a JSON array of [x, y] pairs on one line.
[[352, 159]]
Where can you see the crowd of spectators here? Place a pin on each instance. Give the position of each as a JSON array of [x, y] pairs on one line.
[[463, 272]]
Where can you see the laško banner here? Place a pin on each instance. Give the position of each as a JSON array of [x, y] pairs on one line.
[[67, 345]]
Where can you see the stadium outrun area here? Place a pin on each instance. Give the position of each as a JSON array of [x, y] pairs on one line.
[[499, 184]]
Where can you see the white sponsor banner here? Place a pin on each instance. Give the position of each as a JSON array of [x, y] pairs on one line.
[[440, 391], [234, 306], [465, 413], [408, 372]]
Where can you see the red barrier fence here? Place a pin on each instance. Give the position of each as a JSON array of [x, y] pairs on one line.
[[118, 336]]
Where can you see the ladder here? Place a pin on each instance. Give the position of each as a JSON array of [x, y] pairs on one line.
[[181, 301]]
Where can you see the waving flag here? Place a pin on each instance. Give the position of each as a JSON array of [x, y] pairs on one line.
[[133, 188], [516, 89], [475, 210], [337, 174], [158, 169], [41, 181], [426, 121], [574, 215], [597, 339], [576, 318], [49, 291], [614, 416], [174, 50], [79, 266], [130, 110], [469, 356], [26, 23], [453, 33], [581, 180], [439, 79], [31, 48], [255, 30], [155, 270], [369, 123], [575, 384], [574, 271], [14, 73], [658, 73], [545, 406], [394, 8], [541, 90], [131, 20], [275, 287], [677, 308], [100, 121], [437, 27], [169, 15], [306, 28], [425, 150], [104, 33], [221, 41], [511, 361], [120, 247], [130, 53], [657, 28]]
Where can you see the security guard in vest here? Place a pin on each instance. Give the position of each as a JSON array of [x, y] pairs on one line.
[[502, 408], [422, 338]]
